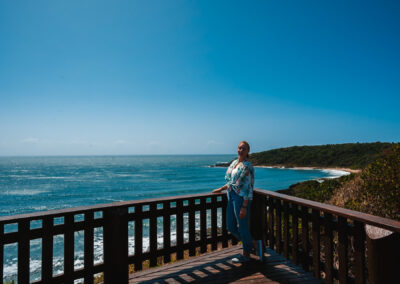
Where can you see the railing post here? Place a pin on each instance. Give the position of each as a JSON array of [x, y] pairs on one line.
[[383, 249], [328, 242], [47, 249], [295, 230], [343, 250], [258, 222], [271, 222], [116, 245], [316, 243], [305, 238], [224, 230], [23, 251], [359, 252], [256, 218]]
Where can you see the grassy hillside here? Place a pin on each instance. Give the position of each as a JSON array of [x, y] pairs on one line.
[[350, 155]]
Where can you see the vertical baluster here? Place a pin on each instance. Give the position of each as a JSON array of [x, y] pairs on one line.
[[167, 231], [192, 227], [285, 230], [47, 249], [214, 229], [359, 253], [224, 230], [305, 238], [266, 229], [69, 248], [342, 231], [116, 245], [179, 229], [278, 218], [316, 242], [153, 234], [271, 223], [263, 220], [138, 237], [295, 229], [203, 224], [88, 247], [328, 248], [23, 251], [1, 251]]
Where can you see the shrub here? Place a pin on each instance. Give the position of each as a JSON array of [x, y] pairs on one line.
[[380, 193]]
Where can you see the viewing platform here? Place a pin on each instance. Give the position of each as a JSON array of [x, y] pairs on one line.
[[328, 243], [217, 267]]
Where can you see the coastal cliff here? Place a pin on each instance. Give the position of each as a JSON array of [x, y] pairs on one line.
[[373, 186]]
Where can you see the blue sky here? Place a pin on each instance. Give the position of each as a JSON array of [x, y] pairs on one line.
[[196, 77]]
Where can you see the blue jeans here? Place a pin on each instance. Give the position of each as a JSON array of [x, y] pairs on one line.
[[238, 227]]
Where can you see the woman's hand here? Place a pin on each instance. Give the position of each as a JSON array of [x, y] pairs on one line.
[[243, 209], [243, 212], [218, 190]]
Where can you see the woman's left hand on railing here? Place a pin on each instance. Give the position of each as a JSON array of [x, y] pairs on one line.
[[218, 190]]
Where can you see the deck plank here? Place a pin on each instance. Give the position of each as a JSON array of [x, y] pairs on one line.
[[217, 267]]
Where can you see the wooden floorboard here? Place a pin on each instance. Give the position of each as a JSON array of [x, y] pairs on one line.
[[217, 267]]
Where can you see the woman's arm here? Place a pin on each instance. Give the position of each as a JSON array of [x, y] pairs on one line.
[[220, 189]]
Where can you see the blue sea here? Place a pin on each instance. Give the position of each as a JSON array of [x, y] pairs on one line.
[[31, 184]]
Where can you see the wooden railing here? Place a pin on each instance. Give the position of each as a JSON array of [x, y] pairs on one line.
[[329, 241], [324, 239], [115, 219]]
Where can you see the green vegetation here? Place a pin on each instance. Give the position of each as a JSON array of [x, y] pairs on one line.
[[376, 190], [380, 187], [351, 155], [318, 190]]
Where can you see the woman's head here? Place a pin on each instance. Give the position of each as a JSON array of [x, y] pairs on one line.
[[243, 150]]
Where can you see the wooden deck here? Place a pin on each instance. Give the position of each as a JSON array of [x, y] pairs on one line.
[[217, 267]]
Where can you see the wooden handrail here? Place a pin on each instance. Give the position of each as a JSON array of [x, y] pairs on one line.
[[385, 223], [114, 220], [312, 234], [97, 207]]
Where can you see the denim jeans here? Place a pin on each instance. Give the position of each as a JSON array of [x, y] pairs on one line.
[[238, 227]]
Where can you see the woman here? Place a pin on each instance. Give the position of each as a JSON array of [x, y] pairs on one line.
[[240, 183]]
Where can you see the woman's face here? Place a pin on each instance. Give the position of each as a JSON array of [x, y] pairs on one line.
[[242, 151]]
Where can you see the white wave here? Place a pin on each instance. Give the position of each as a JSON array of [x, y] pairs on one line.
[[39, 208], [49, 177], [37, 177], [10, 268], [335, 173], [24, 192]]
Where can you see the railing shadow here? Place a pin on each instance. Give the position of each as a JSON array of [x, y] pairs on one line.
[[218, 268]]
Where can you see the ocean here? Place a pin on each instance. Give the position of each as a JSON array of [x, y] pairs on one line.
[[31, 184]]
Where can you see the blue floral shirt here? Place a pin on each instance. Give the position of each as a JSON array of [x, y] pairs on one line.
[[242, 181]]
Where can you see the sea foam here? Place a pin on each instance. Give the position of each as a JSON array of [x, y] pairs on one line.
[[335, 173]]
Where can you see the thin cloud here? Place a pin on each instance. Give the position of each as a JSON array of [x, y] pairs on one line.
[[120, 142], [30, 140], [213, 142], [80, 142]]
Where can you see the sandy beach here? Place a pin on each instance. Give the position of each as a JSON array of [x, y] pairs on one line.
[[346, 170]]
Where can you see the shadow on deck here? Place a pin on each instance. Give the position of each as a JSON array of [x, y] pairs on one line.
[[217, 267]]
